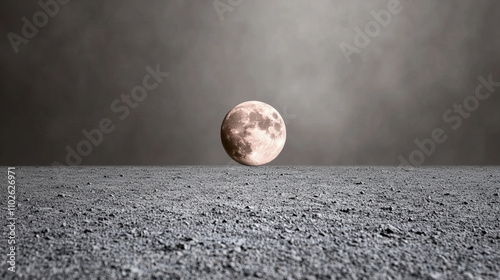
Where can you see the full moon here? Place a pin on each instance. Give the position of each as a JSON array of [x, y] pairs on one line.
[[253, 133]]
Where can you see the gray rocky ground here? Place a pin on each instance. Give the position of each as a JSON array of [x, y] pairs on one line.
[[234, 222]]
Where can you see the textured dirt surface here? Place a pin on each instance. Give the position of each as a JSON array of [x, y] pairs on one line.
[[234, 222]]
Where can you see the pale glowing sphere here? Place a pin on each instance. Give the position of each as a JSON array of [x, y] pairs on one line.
[[253, 133]]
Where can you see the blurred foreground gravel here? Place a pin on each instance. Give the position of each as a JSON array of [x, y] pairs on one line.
[[234, 222]]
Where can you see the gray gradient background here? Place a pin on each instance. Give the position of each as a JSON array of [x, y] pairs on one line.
[[285, 53]]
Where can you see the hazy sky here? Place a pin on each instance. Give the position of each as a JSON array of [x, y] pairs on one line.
[[347, 97]]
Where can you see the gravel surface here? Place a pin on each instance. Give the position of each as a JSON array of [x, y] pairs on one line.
[[234, 222]]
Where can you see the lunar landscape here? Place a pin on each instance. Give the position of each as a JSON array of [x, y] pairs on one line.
[[270, 222]]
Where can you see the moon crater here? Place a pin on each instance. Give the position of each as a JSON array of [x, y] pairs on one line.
[[253, 133]]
